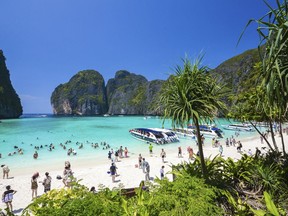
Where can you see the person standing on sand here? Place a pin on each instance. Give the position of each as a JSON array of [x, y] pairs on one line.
[[126, 152], [34, 185], [67, 175], [144, 165], [113, 172], [147, 173], [163, 155], [190, 152], [221, 150], [179, 152], [140, 161], [151, 148], [6, 171], [120, 152], [7, 197], [47, 182], [162, 173]]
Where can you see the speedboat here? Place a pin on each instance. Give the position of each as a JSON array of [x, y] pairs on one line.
[[155, 135], [239, 127], [185, 132], [208, 130]]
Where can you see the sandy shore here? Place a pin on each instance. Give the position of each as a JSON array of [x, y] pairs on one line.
[[94, 173]]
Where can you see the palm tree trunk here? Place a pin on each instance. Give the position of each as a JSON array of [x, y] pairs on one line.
[[261, 134], [200, 147], [273, 137], [282, 139]]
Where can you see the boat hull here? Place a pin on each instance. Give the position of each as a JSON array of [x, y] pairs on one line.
[[154, 135]]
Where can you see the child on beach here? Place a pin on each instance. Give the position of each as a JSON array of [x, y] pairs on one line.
[[7, 197], [34, 185]]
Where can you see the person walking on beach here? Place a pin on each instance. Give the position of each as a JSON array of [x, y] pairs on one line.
[[7, 197], [47, 182], [113, 172], [147, 173], [163, 155], [140, 161], [67, 175], [151, 148], [221, 150], [227, 142], [179, 152], [116, 156], [143, 164], [120, 152], [162, 173], [34, 185], [6, 171], [126, 152], [190, 152]]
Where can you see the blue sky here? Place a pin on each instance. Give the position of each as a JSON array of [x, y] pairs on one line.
[[47, 42]]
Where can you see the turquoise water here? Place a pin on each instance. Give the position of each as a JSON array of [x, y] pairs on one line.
[[26, 133]]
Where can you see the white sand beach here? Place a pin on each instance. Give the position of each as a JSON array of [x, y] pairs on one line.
[[94, 173]]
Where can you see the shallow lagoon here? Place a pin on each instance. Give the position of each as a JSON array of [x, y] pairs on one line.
[[37, 130]]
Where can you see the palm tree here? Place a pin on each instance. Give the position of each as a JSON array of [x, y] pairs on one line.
[[273, 32], [191, 94]]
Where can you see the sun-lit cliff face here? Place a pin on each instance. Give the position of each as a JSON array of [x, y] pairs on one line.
[[132, 94], [84, 94], [10, 104]]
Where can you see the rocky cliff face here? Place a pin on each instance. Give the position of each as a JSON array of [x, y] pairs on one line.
[[126, 93], [10, 104], [84, 94], [131, 94], [237, 69]]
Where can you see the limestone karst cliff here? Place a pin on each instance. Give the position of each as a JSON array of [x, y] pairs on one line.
[[10, 104], [131, 94], [84, 94]]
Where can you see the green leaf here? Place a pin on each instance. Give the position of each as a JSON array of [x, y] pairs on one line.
[[270, 204]]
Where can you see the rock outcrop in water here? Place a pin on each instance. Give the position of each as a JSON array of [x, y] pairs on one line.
[[10, 104], [84, 94]]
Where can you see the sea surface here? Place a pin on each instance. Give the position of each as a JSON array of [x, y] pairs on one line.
[[34, 130]]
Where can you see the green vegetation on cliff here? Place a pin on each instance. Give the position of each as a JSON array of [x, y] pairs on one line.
[[84, 94]]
